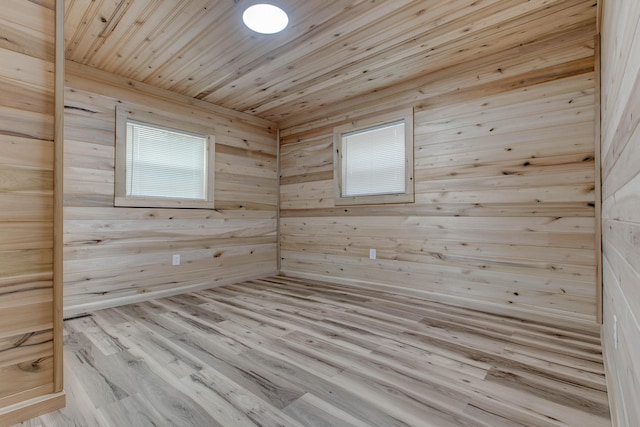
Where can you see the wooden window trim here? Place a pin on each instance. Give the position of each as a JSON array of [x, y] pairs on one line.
[[408, 196], [121, 199]]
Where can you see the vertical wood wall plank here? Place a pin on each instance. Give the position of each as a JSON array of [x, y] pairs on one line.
[[279, 177], [598, 179], [58, 203]]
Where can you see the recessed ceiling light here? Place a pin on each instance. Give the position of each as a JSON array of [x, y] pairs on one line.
[[265, 18]]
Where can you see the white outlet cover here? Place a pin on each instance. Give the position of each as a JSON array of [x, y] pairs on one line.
[[175, 260], [372, 254]]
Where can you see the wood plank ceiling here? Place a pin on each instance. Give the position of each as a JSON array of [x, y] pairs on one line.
[[332, 51]]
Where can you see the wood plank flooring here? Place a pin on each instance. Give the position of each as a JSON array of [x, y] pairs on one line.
[[291, 352]]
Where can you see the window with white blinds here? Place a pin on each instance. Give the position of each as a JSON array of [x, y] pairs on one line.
[[163, 162], [374, 160]]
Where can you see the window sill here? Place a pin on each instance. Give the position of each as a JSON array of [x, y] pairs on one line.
[[374, 200], [151, 202]]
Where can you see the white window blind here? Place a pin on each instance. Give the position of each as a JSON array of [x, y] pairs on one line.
[[162, 162], [373, 160]]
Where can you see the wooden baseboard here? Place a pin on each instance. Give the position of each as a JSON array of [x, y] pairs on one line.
[[580, 322], [31, 408], [77, 310]]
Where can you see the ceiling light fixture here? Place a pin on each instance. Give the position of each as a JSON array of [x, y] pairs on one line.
[[265, 18]]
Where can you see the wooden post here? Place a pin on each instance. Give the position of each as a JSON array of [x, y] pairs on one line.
[[58, 201]]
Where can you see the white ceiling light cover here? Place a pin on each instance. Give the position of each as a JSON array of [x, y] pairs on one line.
[[265, 18]]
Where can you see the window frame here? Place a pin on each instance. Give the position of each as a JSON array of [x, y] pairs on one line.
[[123, 115], [408, 195]]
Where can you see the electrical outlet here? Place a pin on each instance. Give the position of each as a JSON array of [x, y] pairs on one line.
[[176, 259], [615, 331], [372, 254]]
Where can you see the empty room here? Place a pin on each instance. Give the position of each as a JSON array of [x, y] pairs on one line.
[[319, 213]]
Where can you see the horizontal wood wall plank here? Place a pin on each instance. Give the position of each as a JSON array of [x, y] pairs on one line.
[[118, 255], [40, 374], [504, 183], [620, 155], [140, 93], [573, 55], [27, 72]]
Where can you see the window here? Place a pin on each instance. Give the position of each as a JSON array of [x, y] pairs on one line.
[[373, 161], [162, 162]]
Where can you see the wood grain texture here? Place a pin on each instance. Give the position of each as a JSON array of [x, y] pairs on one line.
[[31, 408], [332, 55], [598, 172], [30, 342], [620, 157], [283, 351], [115, 255], [504, 186], [58, 203]]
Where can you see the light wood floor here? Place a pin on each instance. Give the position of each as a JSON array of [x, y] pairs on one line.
[[288, 352]]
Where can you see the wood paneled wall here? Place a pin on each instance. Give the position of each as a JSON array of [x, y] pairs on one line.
[[28, 362], [621, 205], [504, 182], [117, 255]]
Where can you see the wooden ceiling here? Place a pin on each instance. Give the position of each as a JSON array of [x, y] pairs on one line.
[[332, 51]]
